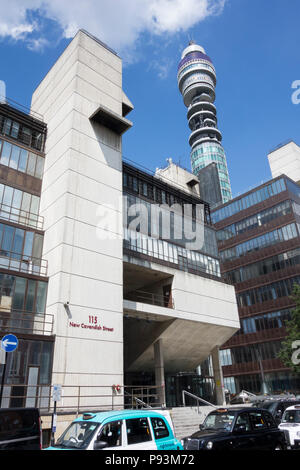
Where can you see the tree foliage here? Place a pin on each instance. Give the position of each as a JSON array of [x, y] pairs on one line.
[[288, 352]]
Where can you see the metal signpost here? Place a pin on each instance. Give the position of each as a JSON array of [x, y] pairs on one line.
[[56, 396], [9, 343]]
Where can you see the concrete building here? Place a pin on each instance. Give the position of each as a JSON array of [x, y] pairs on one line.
[[197, 81], [285, 160], [132, 309], [259, 244]]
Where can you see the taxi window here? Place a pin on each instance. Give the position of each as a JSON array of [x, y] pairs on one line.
[[137, 431], [112, 434], [257, 420], [159, 427], [269, 420], [243, 420]]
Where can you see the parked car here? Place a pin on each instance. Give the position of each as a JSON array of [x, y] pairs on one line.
[[290, 424], [277, 406], [120, 430], [20, 429], [237, 429]]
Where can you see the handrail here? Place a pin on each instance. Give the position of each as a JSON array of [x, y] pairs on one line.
[[249, 393], [20, 216], [184, 392], [23, 263], [150, 297], [137, 400], [26, 322]]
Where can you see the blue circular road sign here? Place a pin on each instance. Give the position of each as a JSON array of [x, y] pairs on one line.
[[9, 343]]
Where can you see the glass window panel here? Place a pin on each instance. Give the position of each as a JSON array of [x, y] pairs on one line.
[[18, 243], [34, 208], [15, 129], [17, 199], [7, 126], [14, 159], [41, 297], [26, 200], [23, 160], [31, 164], [7, 240], [39, 167], [5, 155], [26, 135], [8, 195], [19, 294], [29, 306], [1, 192], [28, 245]]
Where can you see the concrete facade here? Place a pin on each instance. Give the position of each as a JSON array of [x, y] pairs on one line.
[[82, 181], [285, 160]]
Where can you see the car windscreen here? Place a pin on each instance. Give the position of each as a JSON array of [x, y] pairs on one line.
[[219, 421], [291, 416], [78, 435]]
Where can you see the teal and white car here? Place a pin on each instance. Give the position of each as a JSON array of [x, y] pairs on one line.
[[120, 430], [290, 424]]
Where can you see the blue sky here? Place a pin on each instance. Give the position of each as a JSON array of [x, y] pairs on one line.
[[254, 45]]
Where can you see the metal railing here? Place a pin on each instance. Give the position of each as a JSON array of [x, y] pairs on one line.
[[19, 216], [19, 321], [80, 398], [23, 263], [24, 109], [198, 399], [150, 298]]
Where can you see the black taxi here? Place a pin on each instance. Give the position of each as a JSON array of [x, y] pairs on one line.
[[237, 429]]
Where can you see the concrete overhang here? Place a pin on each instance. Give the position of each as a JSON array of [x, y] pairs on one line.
[[127, 106], [186, 343], [111, 120]]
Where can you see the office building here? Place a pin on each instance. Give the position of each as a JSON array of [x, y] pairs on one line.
[[259, 244]]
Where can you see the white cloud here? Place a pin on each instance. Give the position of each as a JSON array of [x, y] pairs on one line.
[[119, 23]]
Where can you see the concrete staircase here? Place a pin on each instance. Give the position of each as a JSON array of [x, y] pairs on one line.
[[186, 419]]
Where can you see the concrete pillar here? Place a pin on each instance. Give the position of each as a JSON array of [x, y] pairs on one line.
[[218, 376], [160, 371]]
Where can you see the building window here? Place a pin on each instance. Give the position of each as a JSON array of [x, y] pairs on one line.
[[22, 133], [20, 159]]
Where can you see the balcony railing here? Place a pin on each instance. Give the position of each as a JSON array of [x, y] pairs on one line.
[[150, 298], [22, 263], [18, 321], [19, 216]]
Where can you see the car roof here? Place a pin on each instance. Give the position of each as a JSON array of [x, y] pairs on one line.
[[238, 409], [119, 414], [280, 400], [294, 407]]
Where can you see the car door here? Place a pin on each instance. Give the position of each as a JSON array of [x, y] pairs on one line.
[[243, 436], [111, 433], [260, 430], [138, 434], [162, 434]]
